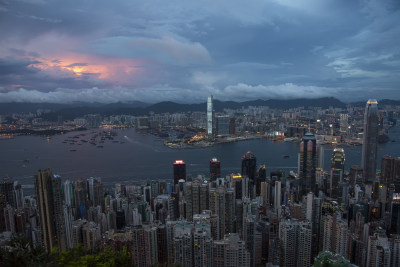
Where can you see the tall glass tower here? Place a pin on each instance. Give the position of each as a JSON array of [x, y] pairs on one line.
[[370, 140], [308, 163], [210, 115]]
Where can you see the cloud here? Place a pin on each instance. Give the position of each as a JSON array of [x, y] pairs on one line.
[[166, 49], [238, 92], [49, 20], [282, 91], [184, 50], [90, 95], [76, 65], [9, 66]]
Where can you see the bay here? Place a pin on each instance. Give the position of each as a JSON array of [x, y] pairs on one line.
[[133, 158]]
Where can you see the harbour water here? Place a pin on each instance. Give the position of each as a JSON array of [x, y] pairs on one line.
[[132, 157]]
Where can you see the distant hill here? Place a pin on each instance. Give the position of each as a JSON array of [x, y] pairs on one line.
[[8, 108], [71, 111]]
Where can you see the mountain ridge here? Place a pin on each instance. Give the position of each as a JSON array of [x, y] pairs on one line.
[[137, 108]]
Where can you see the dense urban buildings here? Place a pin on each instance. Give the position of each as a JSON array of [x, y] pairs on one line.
[[258, 216]]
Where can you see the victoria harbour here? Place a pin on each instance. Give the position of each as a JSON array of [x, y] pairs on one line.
[[136, 158]]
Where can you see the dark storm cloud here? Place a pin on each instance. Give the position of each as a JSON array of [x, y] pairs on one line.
[[16, 67], [144, 50]]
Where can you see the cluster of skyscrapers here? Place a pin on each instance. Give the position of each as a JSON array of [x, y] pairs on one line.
[[243, 219]]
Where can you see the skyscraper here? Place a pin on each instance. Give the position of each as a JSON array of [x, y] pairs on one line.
[[222, 125], [370, 141], [49, 197], [395, 215], [6, 188], [337, 169], [249, 165], [179, 170], [215, 169], [390, 169], [210, 115], [261, 177], [344, 121], [308, 163]]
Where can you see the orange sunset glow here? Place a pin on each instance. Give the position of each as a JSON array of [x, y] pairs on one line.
[[115, 70]]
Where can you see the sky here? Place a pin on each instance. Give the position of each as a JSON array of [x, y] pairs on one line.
[[183, 51]]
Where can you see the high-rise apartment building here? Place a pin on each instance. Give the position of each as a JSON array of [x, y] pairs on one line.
[[80, 196], [230, 252], [202, 245], [370, 141], [183, 243], [145, 245], [196, 198], [335, 234], [91, 234], [295, 239], [249, 236], [378, 251], [49, 198]]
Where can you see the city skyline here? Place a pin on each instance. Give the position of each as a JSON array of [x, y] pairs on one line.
[[61, 52], [316, 213]]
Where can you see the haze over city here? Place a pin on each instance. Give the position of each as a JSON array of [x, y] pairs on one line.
[[183, 51]]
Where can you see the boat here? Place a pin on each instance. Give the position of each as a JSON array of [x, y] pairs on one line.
[[72, 150], [100, 146], [286, 156]]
